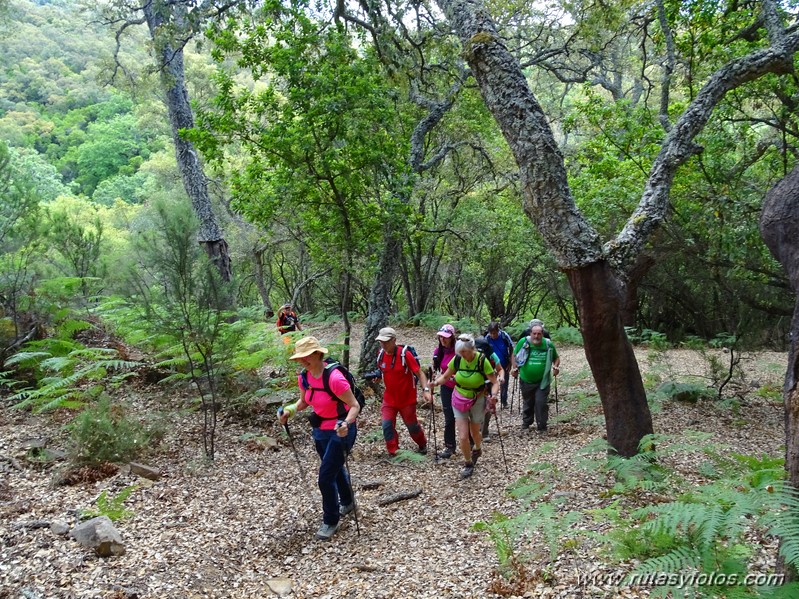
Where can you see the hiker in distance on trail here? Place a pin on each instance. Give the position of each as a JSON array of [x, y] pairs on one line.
[[287, 320], [399, 368], [470, 369], [442, 356], [334, 423], [536, 361]]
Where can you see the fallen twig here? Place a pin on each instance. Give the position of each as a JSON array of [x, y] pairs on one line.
[[399, 497]]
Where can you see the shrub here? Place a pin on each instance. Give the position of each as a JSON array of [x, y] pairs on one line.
[[103, 432]]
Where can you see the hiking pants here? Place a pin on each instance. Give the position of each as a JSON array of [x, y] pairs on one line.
[[487, 422], [408, 414], [449, 417], [503, 389], [535, 408], [334, 481]]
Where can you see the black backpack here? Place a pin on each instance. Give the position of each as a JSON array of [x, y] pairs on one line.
[[481, 359], [331, 365]]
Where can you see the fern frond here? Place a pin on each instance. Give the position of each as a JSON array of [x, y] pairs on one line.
[[64, 401], [116, 365], [178, 361], [68, 328], [27, 359], [677, 560], [58, 364]]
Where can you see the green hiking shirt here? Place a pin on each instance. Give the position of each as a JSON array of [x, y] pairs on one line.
[[537, 366]]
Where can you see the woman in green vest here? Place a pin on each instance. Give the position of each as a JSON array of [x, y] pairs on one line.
[[470, 369]]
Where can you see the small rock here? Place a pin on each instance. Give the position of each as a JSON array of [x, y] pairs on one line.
[[53, 455], [59, 528], [99, 534], [280, 586], [39, 443]]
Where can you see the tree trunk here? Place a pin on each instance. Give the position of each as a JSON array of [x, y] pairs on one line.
[[549, 204], [379, 301], [610, 356], [260, 281], [160, 16], [629, 307], [779, 226]]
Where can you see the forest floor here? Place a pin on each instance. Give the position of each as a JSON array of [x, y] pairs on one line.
[[245, 527]]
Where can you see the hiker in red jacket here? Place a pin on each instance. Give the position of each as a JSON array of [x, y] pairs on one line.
[[287, 320], [399, 366]]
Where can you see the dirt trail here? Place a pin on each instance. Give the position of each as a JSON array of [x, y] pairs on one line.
[[228, 531]]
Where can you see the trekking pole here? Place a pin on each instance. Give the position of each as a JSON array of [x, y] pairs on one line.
[[497, 418], [557, 409], [433, 412], [512, 394], [345, 448], [293, 448]]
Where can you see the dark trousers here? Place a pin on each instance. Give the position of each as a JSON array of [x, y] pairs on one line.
[[535, 406], [334, 480], [449, 417], [486, 422], [503, 389]]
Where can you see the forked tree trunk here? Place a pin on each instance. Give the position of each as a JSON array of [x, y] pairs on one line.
[[610, 356], [550, 205], [779, 226]]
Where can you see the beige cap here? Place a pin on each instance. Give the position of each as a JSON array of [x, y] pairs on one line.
[[386, 333]]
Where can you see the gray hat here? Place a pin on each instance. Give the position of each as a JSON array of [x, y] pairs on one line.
[[535, 322], [386, 333]]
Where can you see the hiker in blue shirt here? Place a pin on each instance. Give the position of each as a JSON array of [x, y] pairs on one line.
[[502, 344]]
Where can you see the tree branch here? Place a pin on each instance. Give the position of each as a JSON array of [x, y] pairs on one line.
[[679, 144]]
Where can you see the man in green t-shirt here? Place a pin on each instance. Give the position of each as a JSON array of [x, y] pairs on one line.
[[535, 362]]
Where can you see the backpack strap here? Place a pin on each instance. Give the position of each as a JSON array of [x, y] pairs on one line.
[[481, 360], [401, 350], [326, 379], [326, 373]]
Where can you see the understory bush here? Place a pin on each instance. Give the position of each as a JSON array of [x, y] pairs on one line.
[[105, 432]]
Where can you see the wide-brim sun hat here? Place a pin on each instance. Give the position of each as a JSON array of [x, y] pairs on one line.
[[307, 346], [446, 330], [386, 333]]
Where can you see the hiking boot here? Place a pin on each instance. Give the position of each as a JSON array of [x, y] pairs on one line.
[[504, 405], [487, 438], [346, 509], [541, 431], [422, 450], [446, 453], [468, 470], [326, 531], [475, 455]]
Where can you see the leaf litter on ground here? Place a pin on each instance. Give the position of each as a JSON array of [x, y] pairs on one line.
[[245, 526]]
